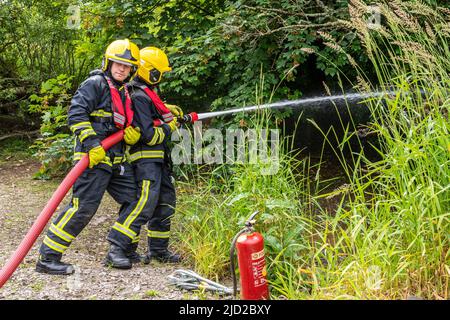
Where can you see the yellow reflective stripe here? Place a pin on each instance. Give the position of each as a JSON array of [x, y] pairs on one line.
[[86, 133], [122, 229], [150, 154], [118, 160], [107, 161], [78, 155], [61, 233], [155, 138], [54, 245], [141, 203], [68, 215], [101, 113], [162, 135], [158, 234], [81, 125], [136, 239]]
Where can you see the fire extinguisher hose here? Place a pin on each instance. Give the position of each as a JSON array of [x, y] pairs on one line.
[[189, 280], [232, 261], [49, 209]]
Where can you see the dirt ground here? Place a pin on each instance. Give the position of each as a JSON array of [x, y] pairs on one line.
[[21, 201]]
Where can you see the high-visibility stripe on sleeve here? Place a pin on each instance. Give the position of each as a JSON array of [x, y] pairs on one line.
[[61, 233], [107, 161], [101, 113], [80, 125], [86, 133], [54, 245], [162, 135], [78, 155], [158, 234], [118, 160], [126, 231], [155, 138], [140, 205]]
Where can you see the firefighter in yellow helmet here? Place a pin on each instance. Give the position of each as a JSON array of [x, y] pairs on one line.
[[100, 107], [150, 158]]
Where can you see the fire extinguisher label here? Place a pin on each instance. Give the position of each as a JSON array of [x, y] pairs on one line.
[[258, 255], [259, 270]]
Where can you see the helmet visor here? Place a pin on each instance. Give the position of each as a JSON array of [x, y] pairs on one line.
[[155, 75], [122, 62]]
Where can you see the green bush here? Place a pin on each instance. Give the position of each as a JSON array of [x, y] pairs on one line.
[[55, 147]]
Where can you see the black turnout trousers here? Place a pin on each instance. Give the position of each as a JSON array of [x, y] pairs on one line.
[[87, 194]]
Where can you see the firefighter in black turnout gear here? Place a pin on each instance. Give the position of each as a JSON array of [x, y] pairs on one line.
[[150, 159], [100, 107]]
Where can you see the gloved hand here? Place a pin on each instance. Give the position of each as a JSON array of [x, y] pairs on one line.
[[96, 155], [173, 124], [176, 110], [132, 135]]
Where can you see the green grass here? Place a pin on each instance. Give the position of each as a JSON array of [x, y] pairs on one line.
[[152, 293], [15, 149]]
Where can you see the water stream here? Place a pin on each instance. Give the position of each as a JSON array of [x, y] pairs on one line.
[[350, 99]]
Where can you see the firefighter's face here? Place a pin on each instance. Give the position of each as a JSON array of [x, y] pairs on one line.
[[120, 71]]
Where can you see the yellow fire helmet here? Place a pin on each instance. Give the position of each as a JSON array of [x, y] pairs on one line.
[[122, 51], [152, 64]]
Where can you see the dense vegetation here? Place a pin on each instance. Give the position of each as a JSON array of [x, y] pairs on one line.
[[379, 231]]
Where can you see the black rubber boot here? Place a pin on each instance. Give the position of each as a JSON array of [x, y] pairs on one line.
[[117, 258], [134, 257], [52, 266], [164, 256]]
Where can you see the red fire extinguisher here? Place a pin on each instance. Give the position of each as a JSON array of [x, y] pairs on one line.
[[252, 264]]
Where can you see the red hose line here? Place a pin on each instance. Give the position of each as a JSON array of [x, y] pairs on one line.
[[49, 209]]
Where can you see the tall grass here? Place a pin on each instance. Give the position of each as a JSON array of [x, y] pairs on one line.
[[386, 233]]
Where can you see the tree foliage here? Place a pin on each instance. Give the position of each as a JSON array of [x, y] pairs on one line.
[[222, 52]]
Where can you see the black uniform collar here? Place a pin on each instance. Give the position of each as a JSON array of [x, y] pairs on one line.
[[138, 82]]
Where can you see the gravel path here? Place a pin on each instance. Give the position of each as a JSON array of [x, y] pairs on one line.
[[21, 201]]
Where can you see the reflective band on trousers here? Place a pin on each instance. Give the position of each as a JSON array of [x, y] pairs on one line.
[[122, 229], [54, 245], [158, 234], [60, 233], [69, 214], [141, 203], [125, 227], [147, 154], [136, 239]]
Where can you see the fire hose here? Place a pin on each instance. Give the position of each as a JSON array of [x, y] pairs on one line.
[[41, 221], [45, 215]]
